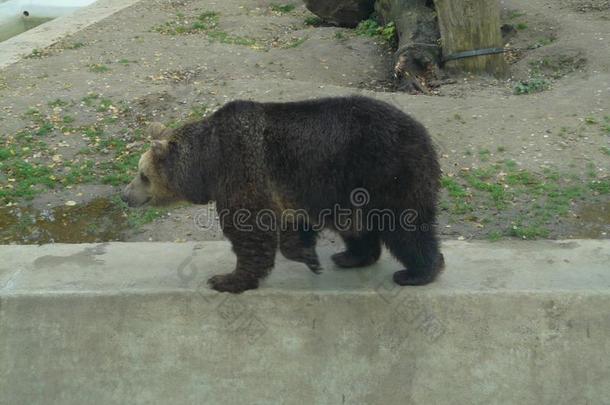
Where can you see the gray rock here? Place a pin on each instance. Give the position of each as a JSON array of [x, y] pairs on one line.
[[345, 13]]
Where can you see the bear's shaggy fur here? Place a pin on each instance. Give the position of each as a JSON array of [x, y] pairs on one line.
[[350, 154]]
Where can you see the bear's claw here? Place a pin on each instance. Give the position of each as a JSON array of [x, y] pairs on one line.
[[315, 267], [347, 261], [232, 282]]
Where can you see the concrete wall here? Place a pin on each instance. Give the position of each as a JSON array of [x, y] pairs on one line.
[[507, 323], [15, 48]]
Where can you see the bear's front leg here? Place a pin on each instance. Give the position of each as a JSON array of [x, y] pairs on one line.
[[300, 245], [255, 250]]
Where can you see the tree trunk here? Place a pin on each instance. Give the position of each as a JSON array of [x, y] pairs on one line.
[[418, 52], [471, 25]]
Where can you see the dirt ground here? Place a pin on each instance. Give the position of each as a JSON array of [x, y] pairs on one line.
[[532, 165]]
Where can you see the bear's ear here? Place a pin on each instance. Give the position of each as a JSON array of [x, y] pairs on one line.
[[159, 149], [156, 130]]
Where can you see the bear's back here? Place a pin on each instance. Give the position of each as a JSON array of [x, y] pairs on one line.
[[327, 146]]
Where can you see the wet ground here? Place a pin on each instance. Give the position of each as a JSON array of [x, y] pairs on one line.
[[97, 221]]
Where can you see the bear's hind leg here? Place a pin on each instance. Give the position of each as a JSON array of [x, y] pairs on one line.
[[300, 245], [418, 251], [255, 250], [360, 251]]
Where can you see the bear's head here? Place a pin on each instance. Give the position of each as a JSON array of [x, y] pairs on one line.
[[152, 182]]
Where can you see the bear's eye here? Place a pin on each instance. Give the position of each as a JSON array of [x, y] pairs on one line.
[[144, 178]]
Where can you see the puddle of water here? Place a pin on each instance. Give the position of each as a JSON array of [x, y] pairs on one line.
[[594, 221], [100, 220], [12, 27]]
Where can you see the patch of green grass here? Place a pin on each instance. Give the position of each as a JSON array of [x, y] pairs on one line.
[[606, 124], [532, 202], [533, 85], [453, 188], [67, 119], [114, 162], [45, 129], [25, 180], [339, 35], [482, 180], [600, 186], [591, 121], [90, 98], [104, 105], [142, 216], [42, 126], [313, 21], [494, 236], [461, 208], [57, 103], [119, 172], [542, 41], [371, 28], [458, 118], [591, 170], [5, 154], [118, 145], [208, 15], [529, 231], [556, 66], [75, 45], [521, 26], [521, 178], [551, 175], [124, 166], [513, 14], [189, 25], [226, 38], [389, 34], [282, 8], [198, 112], [605, 150], [510, 164], [93, 133], [32, 112], [98, 68], [78, 173], [137, 217], [206, 23], [297, 42], [36, 54], [173, 124], [110, 120], [484, 155]]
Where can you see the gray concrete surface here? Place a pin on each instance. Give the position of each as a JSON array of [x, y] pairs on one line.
[[507, 323]]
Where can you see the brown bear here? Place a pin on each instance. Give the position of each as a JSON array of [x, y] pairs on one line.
[[355, 165]]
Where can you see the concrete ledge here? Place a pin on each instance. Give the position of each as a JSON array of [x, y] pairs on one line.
[[13, 49], [508, 322]]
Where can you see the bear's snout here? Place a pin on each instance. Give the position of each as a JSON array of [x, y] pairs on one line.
[[125, 196], [134, 196]]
